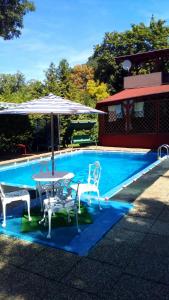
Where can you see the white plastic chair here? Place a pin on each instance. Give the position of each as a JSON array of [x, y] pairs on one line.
[[61, 201], [43, 187], [18, 195], [92, 184]]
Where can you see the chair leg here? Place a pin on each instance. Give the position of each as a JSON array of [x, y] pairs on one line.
[[98, 196], [28, 206], [41, 201], [44, 217], [77, 221], [79, 210], [38, 192], [88, 199], [4, 214], [77, 198], [49, 223]]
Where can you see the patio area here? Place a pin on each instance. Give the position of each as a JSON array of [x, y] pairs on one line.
[[130, 262]]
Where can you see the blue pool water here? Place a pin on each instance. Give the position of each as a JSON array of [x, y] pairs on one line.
[[117, 168]]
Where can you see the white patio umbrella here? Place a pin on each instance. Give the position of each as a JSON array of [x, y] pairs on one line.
[[4, 105], [51, 105]]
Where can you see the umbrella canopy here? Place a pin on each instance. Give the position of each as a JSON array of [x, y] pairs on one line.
[[51, 105], [4, 105]]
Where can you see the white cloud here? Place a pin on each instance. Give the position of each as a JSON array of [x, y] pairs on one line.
[[79, 57], [37, 70]]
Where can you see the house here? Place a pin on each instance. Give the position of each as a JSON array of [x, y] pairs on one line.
[[138, 116]]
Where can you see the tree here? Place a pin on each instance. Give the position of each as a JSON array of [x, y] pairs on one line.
[[11, 17], [51, 73], [51, 80], [11, 83], [35, 89], [139, 38], [63, 71], [98, 90], [63, 77], [58, 78], [81, 74]]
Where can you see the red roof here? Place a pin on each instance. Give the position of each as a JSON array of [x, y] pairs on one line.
[[136, 93]]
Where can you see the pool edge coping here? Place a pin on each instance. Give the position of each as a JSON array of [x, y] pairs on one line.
[[112, 192], [69, 150]]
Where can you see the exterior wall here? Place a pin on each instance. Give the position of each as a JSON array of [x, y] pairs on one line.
[[137, 81], [151, 141], [148, 128]]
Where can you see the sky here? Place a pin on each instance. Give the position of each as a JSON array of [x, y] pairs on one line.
[[69, 29]]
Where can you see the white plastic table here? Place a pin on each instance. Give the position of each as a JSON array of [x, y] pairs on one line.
[[47, 176]]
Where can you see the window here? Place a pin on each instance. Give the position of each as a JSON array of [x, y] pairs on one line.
[[139, 109], [114, 112]]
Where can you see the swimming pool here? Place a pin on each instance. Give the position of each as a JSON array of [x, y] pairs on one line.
[[118, 168]]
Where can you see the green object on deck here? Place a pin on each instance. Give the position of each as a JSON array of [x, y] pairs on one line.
[[58, 220], [71, 138], [81, 139], [81, 125]]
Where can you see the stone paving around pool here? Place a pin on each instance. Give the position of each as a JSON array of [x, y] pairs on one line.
[[131, 262]]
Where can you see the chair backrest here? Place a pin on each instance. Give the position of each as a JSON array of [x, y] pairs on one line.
[[63, 190], [94, 173]]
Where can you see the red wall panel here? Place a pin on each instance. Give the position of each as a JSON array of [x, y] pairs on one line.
[[151, 141]]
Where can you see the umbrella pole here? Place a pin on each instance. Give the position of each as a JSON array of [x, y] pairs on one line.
[[58, 127], [52, 144]]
